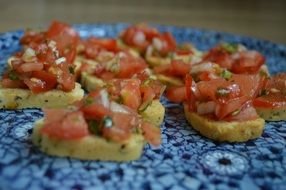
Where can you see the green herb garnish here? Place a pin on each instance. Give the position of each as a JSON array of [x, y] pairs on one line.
[[94, 127], [226, 74], [264, 92], [13, 76], [230, 47], [71, 70], [222, 92], [88, 101], [107, 122], [236, 112]]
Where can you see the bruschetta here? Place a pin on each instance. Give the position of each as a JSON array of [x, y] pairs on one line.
[[42, 74], [271, 104], [222, 109], [95, 128]]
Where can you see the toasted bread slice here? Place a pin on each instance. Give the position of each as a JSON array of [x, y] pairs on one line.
[[89, 148], [272, 114], [223, 130], [154, 113], [14, 98]]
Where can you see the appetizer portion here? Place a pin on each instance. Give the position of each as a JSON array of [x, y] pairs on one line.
[[95, 128], [43, 73], [222, 109], [271, 104]]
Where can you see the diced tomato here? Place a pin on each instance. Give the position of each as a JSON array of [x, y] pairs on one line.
[[180, 68], [162, 69], [249, 84], [147, 93], [184, 52], [131, 94], [54, 115], [129, 65], [223, 110], [104, 43], [220, 56], [151, 133], [204, 76], [246, 114], [8, 83], [248, 62], [276, 93], [273, 100], [139, 36], [209, 89], [32, 38], [121, 129], [176, 94], [169, 43], [49, 79], [66, 38], [189, 90], [66, 79], [73, 126], [106, 75], [95, 111], [29, 67]]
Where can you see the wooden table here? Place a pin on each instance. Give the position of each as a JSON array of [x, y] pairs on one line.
[[264, 19]]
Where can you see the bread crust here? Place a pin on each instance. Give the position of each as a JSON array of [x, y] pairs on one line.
[[14, 98], [89, 148], [223, 130]]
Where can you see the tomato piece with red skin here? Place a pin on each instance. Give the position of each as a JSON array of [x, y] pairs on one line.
[[71, 127], [179, 68], [276, 93], [151, 133], [223, 110], [130, 93], [129, 65], [245, 114], [190, 87], [31, 37], [220, 56], [176, 94], [121, 128], [249, 62], [147, 93], [8, 83], [95, 111]]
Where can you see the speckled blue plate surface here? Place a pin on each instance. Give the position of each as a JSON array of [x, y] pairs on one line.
[[185, 160]]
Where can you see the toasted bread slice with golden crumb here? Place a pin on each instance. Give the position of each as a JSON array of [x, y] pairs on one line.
[[272, 114], [89, 148], [14, 98], [223, 130]]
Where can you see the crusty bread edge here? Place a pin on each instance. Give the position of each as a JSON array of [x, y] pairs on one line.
[[225, 131], [89, 148]]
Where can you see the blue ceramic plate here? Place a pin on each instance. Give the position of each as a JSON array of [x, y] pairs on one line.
[[185, 160]]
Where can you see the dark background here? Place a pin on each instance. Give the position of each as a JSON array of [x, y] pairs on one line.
[[264, 19]]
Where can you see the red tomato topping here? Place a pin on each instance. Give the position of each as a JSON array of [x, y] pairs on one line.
[[131, 94], [70, 127], [176, 94], [151, 133], [247, 62], [275, 93]]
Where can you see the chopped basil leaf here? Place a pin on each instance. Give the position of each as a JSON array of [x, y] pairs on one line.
[[71, 70], [107, 122], [171, 55], [236, 112], [226, 74], [264, 92], [94, 127], [13, 76], [222, 92], [230, 47], [88, 101]]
